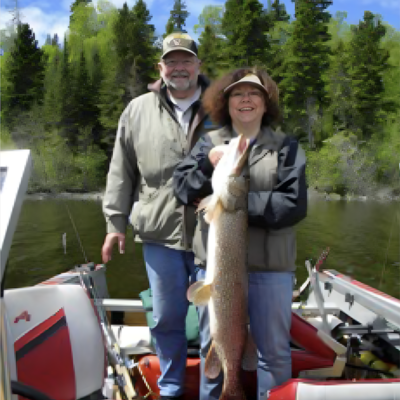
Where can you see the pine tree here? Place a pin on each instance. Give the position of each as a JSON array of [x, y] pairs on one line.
[[367, 65], [67, 94], [169, 28], [55, 41], [307, 57], [143, 46], [340, 88], [24, 73], [134, 38], [210, 52], [179, 14], [276, 25], [242, 24], [52, 100], [48, 40], [96, 84], [278, 12], [83, 97]]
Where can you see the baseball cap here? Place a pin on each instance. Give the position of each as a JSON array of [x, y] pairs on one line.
[[179, 41], [249, 78]]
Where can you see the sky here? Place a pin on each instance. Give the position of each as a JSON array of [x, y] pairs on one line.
[[50, 17]]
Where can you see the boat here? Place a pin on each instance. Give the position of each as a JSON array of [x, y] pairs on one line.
[[66, 339]]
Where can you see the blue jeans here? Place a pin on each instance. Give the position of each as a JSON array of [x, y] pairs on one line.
[[169, 271], [270, 311]]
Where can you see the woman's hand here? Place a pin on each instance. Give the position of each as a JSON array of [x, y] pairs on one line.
[[216, 154]]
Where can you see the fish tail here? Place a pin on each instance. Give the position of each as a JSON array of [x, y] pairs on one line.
[[236, 394], [232, 389]]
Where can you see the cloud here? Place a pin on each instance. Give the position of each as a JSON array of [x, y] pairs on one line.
[[383, 3], [66, 4], [40, 21]]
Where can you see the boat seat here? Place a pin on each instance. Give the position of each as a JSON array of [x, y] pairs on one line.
[[346, 390], [57, 340]]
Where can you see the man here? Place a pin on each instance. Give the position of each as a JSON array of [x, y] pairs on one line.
[[155, 132]]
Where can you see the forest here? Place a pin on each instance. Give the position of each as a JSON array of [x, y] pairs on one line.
[[339, 86]]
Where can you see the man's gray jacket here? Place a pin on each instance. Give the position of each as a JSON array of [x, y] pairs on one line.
[[149, 145]]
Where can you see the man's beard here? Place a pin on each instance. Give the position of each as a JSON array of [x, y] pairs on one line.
[[181, 86]]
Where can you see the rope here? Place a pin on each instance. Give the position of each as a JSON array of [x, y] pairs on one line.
[[150, 393]]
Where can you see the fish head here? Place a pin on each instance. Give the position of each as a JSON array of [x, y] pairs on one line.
[[241, 154]]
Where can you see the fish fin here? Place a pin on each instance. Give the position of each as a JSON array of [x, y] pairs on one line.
[[192, 289], [204, 203], [212, 366], [199, 293], [250, 356], [212, 208]]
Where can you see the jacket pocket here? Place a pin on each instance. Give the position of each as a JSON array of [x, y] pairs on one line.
[[280, 249], [256, 248], [157, 216]]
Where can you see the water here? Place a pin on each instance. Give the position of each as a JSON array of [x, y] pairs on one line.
[[360, 236]]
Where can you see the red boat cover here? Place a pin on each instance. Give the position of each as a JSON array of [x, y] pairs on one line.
[[44, 359]]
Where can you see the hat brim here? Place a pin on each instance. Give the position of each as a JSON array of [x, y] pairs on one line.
[[178, 48], [255, 84]]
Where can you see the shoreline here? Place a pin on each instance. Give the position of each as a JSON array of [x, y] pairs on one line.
[[383, 195]]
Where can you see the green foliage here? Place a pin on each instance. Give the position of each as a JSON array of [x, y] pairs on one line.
[[367, 63], [242, 24], [327, 72], [210, 52], [169, 28], [306, 58], [211, 16], [179, 14], [24, 75]]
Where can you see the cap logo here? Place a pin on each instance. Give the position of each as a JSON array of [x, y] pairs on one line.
[[177, 42]]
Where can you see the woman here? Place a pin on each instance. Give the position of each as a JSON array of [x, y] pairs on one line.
[[246, 101]]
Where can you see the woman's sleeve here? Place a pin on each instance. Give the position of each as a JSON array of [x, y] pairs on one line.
[[191, 178], [286, 204]]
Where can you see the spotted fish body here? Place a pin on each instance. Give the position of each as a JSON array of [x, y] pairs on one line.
[[226, 284]]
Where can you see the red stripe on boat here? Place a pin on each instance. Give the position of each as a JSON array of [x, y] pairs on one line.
[[44, 359], [306, 336]]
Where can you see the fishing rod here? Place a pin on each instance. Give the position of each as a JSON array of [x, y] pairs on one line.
[[114, 357]]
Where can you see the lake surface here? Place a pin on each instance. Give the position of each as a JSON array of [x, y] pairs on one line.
[[363, 237]]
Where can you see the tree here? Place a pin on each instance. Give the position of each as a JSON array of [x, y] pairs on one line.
[[210, 52], [55, 41], [74, 7], [307, 56], [368, 61], [143, 45], [179, 14], [24, 73], [278, 12], [169, 28], [211, 16], [276, 28], [134, 38], [67, 94], [242, 24], [48, 40]]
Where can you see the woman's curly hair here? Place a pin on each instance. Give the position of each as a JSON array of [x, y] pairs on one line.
[[215, 101]]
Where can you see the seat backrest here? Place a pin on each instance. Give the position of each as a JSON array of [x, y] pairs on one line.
[[57, 339]]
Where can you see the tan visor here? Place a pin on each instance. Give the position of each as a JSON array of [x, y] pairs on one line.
[[249, 78]]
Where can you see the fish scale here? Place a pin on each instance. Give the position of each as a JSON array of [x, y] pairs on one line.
[[226, 286]]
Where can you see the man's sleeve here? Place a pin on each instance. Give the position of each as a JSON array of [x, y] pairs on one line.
[[121, 178], [286, 204], [192, 176]]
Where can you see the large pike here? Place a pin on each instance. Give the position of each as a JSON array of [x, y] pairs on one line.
[[225, 287]]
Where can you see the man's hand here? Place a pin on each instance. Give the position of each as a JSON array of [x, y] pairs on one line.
[[216, 154], [108, 245]]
